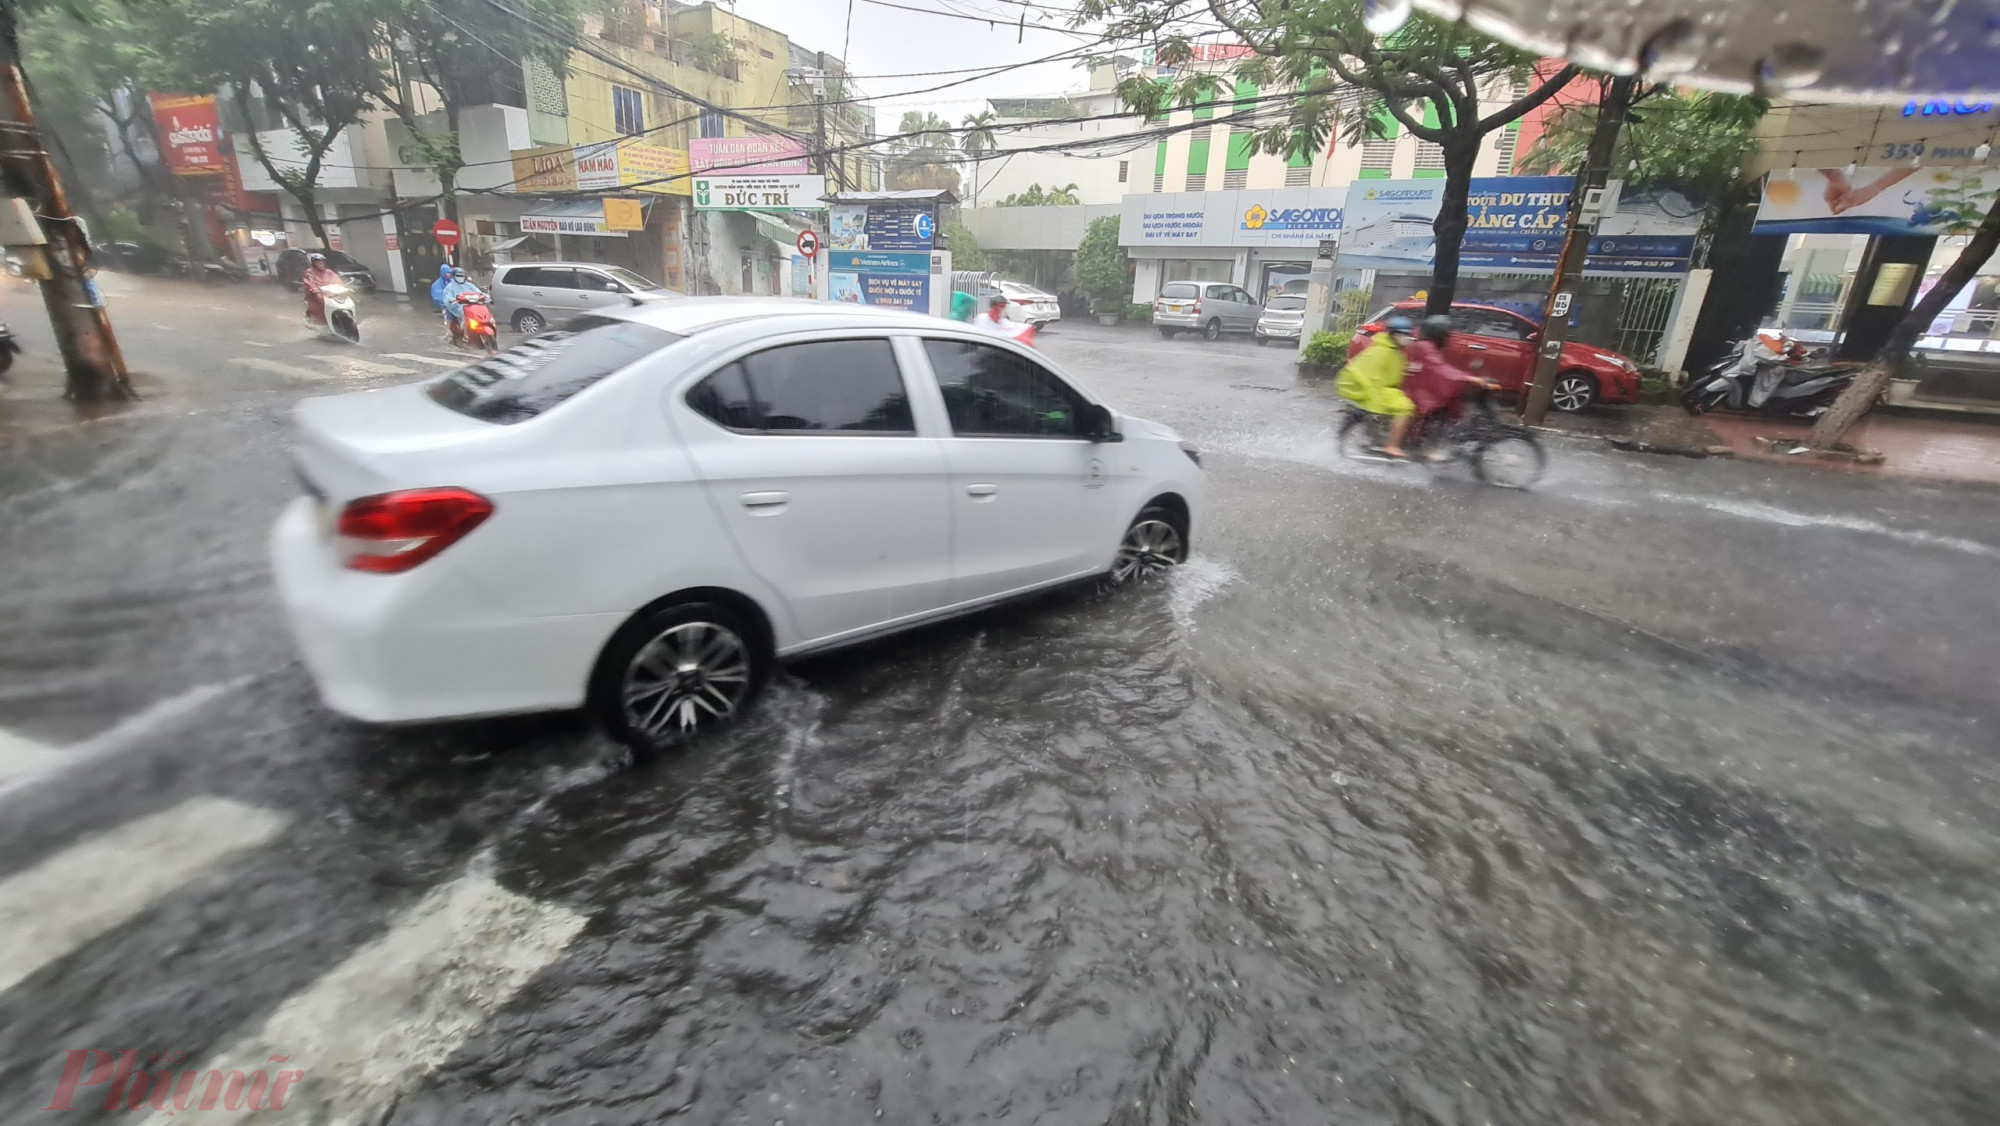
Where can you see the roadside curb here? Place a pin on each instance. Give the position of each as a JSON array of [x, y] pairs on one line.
[[1634, 446]]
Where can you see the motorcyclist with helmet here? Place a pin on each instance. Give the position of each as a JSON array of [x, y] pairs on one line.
[[459, 283], [1373, 380], [1435, 385], [317, 277]]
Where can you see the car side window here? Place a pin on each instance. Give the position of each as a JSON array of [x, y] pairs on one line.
[[596, 282], [556, 279], [522, 275], [990, 392], [1243, 295], [824, 387], [1479, 322]]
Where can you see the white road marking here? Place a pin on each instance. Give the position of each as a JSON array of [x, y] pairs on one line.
[[21, 758], [351, 366], [252, 343], [24, 761], [276, 367], [393, 1011], [90, 888], [414, 358]]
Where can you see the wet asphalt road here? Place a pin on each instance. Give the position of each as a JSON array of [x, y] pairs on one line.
[[1661, 794]]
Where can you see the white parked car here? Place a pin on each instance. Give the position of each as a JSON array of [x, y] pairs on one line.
[[1027, 304], [641, 514]]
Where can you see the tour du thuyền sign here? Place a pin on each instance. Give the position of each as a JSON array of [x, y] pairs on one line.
[[759, 193]]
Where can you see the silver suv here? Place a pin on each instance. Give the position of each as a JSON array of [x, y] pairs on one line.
[[1210, 308], [531, 296]]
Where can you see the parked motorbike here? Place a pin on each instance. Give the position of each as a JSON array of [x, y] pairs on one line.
[[474, 327], [9, 348], [341, 316], [1770, 375], [223, 269]]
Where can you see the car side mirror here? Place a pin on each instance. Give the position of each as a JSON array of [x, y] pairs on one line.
[[1533, 337], [1098, 423]]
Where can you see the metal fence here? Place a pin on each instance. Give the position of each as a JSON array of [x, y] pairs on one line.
[[1644, 310]]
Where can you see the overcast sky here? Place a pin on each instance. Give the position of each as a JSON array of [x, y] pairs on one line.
[[894, 41]]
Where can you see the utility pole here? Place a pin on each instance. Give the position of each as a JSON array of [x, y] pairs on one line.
[[1611, 110], [83, 333]]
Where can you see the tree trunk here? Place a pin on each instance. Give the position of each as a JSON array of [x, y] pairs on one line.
[[1860, 395], [1449, 226], [448, 175]]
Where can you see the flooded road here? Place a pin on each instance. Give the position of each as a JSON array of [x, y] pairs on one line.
[[1662, 794]]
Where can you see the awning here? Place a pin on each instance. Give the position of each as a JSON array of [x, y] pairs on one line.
[[776, 229], [569, 217], [528, 242]]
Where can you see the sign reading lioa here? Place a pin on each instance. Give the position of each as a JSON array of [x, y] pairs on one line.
[[759, 193]]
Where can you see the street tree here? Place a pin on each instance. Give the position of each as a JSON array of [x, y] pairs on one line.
[[922, 153], [1101, 268], [459, 53], [1035, 196], [977, 143], [309, 69], [1349, 72], [966, 253], [1690, 141]]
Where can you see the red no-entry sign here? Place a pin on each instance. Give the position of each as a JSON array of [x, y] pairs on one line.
[[808, 243], [446, 232]]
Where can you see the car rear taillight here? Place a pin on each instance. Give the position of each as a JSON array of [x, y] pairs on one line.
[[1195, 308], [394, 532]]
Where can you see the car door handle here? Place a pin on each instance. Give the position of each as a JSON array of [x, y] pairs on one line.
[[981, 491], [766, 500], [1475, 347]]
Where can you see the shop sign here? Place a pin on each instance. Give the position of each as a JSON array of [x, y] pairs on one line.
[[1903, 200], [1513, 223], [567, 224], [759, 193], [891, 279], [545, 170], [1300, 217], [882, 226], [747, 156], [190, 133], [624, 215], [631, 165]]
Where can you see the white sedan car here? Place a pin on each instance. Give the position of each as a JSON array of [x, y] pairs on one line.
[[641, 514]]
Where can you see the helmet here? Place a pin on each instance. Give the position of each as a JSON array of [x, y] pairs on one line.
[[320, 259], [1400, 325], [458, 273], [1437, 328]]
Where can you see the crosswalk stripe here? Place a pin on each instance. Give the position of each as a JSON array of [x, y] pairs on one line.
[[277, 367], [348, 364], [90, 888], [395, 1009], [433, 360], [21, 758]]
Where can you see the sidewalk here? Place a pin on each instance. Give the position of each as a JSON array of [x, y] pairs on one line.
[[1919, 446]]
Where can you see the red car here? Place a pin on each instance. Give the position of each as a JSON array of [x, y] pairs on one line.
[[1500, 345]]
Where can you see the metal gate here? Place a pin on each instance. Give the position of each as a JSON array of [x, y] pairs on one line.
[[1636, 327]]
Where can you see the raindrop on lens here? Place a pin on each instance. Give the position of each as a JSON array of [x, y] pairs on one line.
[[1790, 65], [1381, 17], [1674, 49]]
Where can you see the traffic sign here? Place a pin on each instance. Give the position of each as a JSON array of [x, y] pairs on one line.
[[446, 233], [808, 242]]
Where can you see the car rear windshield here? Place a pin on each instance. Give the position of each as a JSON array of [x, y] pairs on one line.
[[1180, 289], [531, 377], [1287, 303]]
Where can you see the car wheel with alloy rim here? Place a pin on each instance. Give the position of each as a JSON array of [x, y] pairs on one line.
[[672, 673], [1574, 391], [527, 322], [1212, 330], [1155, 544]]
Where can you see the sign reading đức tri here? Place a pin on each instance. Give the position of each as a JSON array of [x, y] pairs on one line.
[[190, 133], [759, 193]]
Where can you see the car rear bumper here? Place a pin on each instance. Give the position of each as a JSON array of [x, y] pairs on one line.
[[1177, 320], [425, 645], [1278, 332]]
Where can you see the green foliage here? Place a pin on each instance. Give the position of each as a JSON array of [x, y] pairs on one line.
[[119, 224], [978, 140], [1141, 313], [921, 153], [1959, 208], [1100, 264], [1065, 196], [1692, 142], [1328, 349], [966, 253], [1351, 307]]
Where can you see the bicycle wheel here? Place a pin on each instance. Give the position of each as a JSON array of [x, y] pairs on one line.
[[1356, 436], [1511, 460]]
